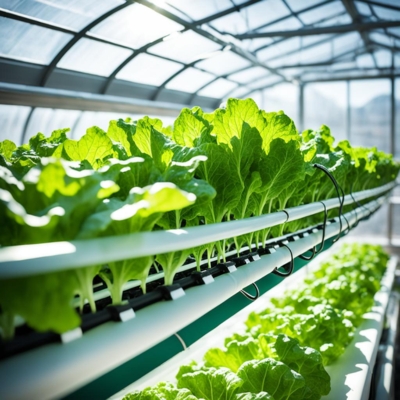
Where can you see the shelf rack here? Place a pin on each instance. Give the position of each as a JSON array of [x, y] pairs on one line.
[[58, 369]]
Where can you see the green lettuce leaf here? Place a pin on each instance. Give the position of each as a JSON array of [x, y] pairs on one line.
[[273, 377], [162, 391], [212, 383]]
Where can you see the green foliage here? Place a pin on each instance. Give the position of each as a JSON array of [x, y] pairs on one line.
[[234, 163]]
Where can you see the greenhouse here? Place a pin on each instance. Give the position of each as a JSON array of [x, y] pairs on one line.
[[198, 199]]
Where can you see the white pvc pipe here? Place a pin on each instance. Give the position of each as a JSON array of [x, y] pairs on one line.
[[55, 370], [351, 373], [16, 261]]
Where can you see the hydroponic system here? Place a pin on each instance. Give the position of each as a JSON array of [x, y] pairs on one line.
[[196, 241]]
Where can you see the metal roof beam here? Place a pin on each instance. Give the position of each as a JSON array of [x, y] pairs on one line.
[[225, 12], [379, 4], [357, 18], [359, 27], [70, 100], [289, 16], [351, 78], [385, 46], [35, 21]]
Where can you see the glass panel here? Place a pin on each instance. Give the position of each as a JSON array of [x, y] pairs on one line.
[[190, 80], [397, 61], [383, 58], [94, 57], [346, 42], [199, 9], [321, 52], [72, 14], [386, 13], [363, 8], [248, 74], [261, 83], [365, 61], [381, 38], [297, 5], [185, 47], [47, 120], [136, 26], [309, 40], [291, 22], [293, 72], [252, 17], [240, 92], [223, 63], [30, 43], [12, 122], [283, 47], [394, 31], [330, 9], [149, 70], [293, 59], [218, 89], [254, 44], [325, 103], [370, 113], [339, 20], [284, 96], [344, 66]]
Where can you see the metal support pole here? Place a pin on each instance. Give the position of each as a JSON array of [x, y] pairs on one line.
[[390, 223], [348, 111], [392, 117], [301, 107]]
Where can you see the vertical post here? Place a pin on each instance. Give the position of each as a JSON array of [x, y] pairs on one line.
[[390, 223], [392, 116], [25, 128], [348, 111], [301, 107], [392, 110]]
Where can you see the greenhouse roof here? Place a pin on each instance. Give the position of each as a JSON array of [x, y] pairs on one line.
[[192, 52]]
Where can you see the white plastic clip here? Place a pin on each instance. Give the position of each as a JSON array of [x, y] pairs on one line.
[[207, 279], [71, 335], [176, 294], [231, 268], [126, 315]]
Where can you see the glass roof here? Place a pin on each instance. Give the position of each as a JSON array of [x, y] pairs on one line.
[[149, 70], [190, 80], [94, 57], [136, 26], [210, 48], [35, 44], [185, 47], [73, 14]]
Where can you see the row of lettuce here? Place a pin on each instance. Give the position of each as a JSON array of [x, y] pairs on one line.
[[282, 352], [234, 163]]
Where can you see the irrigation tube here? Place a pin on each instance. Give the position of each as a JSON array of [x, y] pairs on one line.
[[16, 261], [58, 369]]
